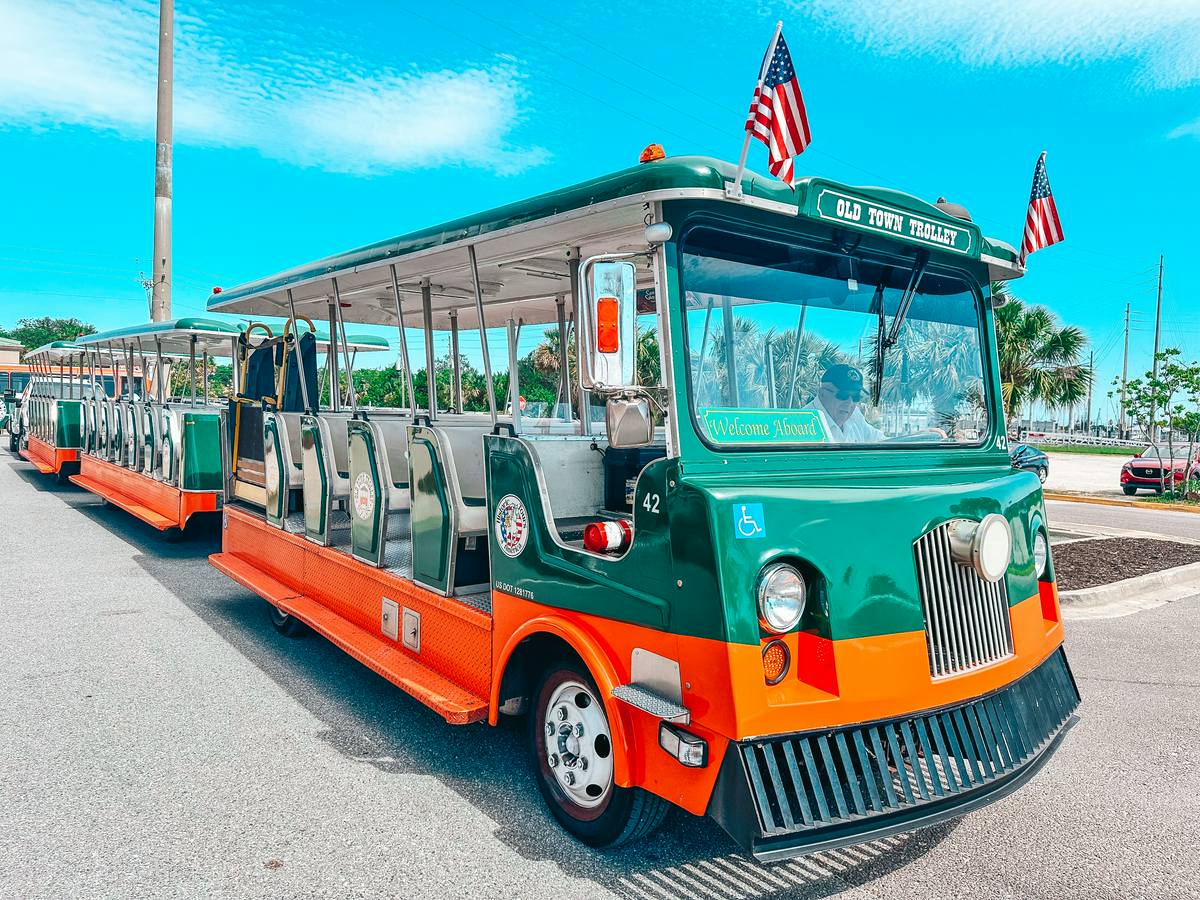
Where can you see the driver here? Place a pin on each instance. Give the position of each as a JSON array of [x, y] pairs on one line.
[[838, 399]]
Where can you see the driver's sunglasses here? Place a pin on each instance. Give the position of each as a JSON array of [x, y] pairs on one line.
[[856, 396]]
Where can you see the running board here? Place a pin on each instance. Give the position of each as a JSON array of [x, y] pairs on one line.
[[453, 703], [649, 701], [116, 498], [40, 466]]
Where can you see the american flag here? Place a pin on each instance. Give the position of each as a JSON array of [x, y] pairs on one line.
[[1042, 225], [777, 116]]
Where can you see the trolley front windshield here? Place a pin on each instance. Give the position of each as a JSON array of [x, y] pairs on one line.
[[791, 346]]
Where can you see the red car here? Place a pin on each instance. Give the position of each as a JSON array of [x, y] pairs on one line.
[[1146, 469]]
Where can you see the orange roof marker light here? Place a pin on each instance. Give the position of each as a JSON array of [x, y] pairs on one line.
[[652, 152]]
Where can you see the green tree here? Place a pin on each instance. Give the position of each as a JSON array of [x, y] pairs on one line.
[[33, 333], [1169, 399], [1039, 359]]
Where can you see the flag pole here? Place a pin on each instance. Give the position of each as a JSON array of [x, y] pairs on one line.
[[734, 188]]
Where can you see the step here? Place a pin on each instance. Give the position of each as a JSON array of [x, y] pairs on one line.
[[650, 701], [37, 464], [116, 498], [452, 702]]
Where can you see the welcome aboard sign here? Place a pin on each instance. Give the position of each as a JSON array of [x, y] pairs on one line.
[[835, 204]]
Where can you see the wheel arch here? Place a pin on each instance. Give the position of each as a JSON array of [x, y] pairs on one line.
[[538, 641]]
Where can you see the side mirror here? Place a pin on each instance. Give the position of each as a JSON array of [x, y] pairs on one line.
[[610, 305], [629, 422]]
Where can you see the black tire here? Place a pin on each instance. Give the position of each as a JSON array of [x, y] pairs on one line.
[[173, 535], [1158, 492], [1129, 491], [625, 814], [285, 623], [62, 478], [1042, 472], [13, 443]]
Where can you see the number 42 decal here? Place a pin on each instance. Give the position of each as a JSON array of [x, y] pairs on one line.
[[650, 503]]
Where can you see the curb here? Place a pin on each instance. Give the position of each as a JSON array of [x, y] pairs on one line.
[[1131, 594], [1106, 501]]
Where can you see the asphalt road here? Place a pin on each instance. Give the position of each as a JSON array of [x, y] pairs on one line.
[[1164, 522], [159, 739]]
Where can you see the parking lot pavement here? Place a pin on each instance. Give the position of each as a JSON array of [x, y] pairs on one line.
[[1131, 520], [1085, 473], [159, 739]]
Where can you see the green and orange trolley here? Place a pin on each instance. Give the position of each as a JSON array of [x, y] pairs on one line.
[[764, 559], [48, 430]]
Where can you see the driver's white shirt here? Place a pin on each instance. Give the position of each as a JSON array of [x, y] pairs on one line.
[[856, 430]]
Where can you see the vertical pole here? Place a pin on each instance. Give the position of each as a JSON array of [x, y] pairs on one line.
[[487, 357], [734, 189], [204, 369], [770, 360], [159, 374], [730, 366], [408, 381], [1154, 365], [350, 392], [335, 386], [1124, 376], [160, 297], [191, 368], [585, 417], [564, 373], [1091, 379], [456, 399], [308, 407], [430, 363], [514, 386]]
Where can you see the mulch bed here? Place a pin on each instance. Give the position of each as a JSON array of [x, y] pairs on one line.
[[1085, 564]]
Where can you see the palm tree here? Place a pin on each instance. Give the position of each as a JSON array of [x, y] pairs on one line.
[[1039, 360]]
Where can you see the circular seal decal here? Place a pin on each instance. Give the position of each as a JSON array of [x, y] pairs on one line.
[[363, 496], [511, 525]]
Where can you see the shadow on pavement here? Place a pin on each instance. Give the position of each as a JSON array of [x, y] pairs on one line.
[[370, 721]]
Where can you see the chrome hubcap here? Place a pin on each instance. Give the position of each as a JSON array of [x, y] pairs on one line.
[[578, 744]]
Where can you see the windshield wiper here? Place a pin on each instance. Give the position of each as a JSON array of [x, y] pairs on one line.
[[886, 338]]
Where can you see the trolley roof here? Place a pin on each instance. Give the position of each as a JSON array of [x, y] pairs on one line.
[[211, 336], [523, 247], [55, 351]]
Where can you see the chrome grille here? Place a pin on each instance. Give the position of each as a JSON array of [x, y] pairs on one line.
[[966, 618]]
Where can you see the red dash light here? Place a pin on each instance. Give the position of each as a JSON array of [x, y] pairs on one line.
[[608, 326], [216, 290], [652, 152], [607, 537]]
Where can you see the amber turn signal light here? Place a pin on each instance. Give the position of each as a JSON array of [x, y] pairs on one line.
[[776, 660]]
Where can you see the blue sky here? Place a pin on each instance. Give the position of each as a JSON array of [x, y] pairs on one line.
[[308, 128]]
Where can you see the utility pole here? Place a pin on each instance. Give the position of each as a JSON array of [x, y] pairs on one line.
[[1124, 376], [1154, 363], [1091, 381], [160, 300]]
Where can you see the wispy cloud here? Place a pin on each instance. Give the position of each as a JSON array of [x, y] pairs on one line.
[[1161, 38], [246, 83]]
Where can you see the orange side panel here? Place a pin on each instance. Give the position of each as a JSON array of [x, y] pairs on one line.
[[342, 599], [154, 502]]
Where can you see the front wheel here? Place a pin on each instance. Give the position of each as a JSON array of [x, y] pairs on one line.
[[1129, 491], [1042, 472], [573, 753]]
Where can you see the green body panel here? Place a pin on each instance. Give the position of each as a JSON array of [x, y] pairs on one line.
[[201, 469], [430, 513], [68, 432], [367, 519], [640, 587]]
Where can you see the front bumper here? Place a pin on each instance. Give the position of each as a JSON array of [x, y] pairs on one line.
[[788, 795]]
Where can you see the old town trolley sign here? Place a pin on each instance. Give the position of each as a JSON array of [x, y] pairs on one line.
[[668, 590]]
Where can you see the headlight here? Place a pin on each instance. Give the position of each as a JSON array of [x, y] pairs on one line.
[[985, 547], [781, 595], [1041, 553]]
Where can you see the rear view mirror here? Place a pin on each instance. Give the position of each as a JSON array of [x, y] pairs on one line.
[[629, 422], [610, 301]]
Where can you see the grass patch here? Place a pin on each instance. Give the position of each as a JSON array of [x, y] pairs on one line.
[[1094, 449]]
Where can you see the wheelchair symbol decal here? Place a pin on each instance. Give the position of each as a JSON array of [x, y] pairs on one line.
[[748, 521]]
